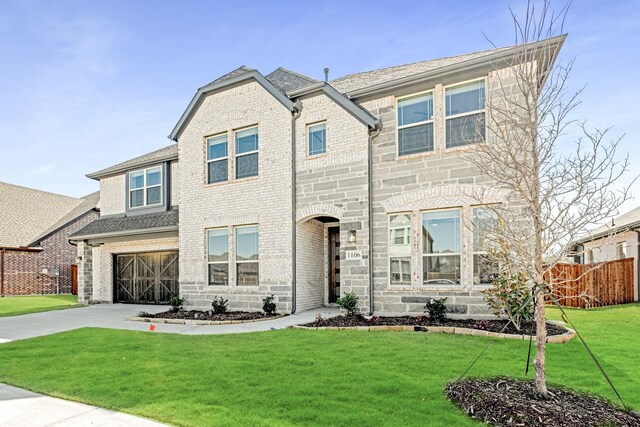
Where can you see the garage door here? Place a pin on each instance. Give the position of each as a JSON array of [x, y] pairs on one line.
[[146, 278]]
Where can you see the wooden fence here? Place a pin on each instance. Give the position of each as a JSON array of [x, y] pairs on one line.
[[593, 285]]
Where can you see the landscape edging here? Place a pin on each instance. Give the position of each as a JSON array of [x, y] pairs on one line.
[[200, 322]]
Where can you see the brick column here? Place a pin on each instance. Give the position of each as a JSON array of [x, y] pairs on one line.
[[85, 273]]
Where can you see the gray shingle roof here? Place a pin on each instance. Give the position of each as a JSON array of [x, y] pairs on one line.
[[287, 80], [115, 226], [26, 213], [167, 153], [243, 69]]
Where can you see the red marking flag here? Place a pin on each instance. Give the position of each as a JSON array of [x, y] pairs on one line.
[[152, 328]]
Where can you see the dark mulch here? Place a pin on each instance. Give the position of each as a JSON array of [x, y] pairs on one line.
[[508, 402], [527, 328], [208, 315]]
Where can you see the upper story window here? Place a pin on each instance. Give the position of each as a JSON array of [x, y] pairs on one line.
[[441, 247], [247, 153], [415, 124], [217, 159], [317, 139], [465, 114], [145, 187]]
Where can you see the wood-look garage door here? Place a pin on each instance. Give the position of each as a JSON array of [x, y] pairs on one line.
[[145, 278]]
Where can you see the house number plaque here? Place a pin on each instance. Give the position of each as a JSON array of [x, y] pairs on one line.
[[352, 255]]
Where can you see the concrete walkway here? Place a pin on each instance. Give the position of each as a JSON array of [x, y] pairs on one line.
[[24, 408], [114, 316]]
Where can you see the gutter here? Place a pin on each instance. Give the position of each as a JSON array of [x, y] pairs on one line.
[[372, 134], [75, 238], [297, 110]]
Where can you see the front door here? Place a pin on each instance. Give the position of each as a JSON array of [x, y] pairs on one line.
[[334, 264], [145, 278]]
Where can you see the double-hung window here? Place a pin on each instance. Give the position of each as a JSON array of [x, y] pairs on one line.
[[415, 124], [218, 256], [247, 153], [247, 256], [441, 247], [400, 249], [485, 222], [317, 139], [621, 250], [465, 114], [145, 187], [217, 159]]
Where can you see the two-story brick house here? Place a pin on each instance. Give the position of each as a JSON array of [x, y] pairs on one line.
[[305, 189]]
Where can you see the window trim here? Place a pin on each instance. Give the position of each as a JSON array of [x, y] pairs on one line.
[[390, 244], [145, 187], [235, 254], [399, 99], [236, 155], [308, 132], [460, 210], [208, 161], [227, 262], [484, 79]]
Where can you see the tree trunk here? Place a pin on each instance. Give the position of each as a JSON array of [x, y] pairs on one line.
[[541, 341]]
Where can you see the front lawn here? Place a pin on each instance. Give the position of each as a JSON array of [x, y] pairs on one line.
[[16, 305], [298, 377]]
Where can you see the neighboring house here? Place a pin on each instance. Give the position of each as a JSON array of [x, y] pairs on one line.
[[34, 235], [307, 190], [618, 240]]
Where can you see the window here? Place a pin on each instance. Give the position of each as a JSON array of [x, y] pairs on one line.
[[485, 222], [145, 187], [317, 139], [400, 249], [621, 250], [465, 115], [247, 153], [441, 247], [589, 256], [247, 256], [415, 124], [217, 159], [218, 256]]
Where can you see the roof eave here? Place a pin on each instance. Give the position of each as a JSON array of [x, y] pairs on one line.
[[632, 226], [110, 172], [124, 233]]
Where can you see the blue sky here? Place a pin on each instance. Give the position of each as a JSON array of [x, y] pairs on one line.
[[86, 84]]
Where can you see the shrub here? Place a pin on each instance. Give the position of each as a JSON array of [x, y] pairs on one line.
[[509, 297], [176, 303], [349, 303], [268, 305], [436, 309], [219, 305]]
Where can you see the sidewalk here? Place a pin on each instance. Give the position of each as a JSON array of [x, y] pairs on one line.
[[19, 407]]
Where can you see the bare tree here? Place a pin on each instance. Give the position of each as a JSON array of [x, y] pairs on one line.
[[555, 189]]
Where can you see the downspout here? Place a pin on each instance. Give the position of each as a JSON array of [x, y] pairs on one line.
[[372, 134], [2, 272], [297, 110]]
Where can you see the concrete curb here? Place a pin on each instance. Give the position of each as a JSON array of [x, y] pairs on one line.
[[201, 322], [554, 339]]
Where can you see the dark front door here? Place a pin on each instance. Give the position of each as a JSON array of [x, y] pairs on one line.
[[146, 278], [334, 264]]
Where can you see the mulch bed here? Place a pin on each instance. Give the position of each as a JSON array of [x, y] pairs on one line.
[[498, 325], [508, 402], [208, 315]]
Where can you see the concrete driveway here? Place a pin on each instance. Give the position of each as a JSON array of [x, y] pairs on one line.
[[114, 316]]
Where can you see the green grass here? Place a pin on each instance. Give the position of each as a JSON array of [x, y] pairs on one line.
[[294, 377], [14, 306]]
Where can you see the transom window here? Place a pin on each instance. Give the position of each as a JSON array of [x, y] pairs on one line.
[[317, 139], [465, 114], [441, 247], [217, 159], [247, 256], [485, 222], [247, 153], [218, 256], [400, 249], [415, 124], [145, 187]]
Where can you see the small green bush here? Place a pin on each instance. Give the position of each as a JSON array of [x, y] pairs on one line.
[[219, 305], [268, 305], [436, 309], [349, 303], [510, 297], [176, 303]]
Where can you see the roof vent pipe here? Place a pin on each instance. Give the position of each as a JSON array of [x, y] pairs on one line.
[[326, 74]]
